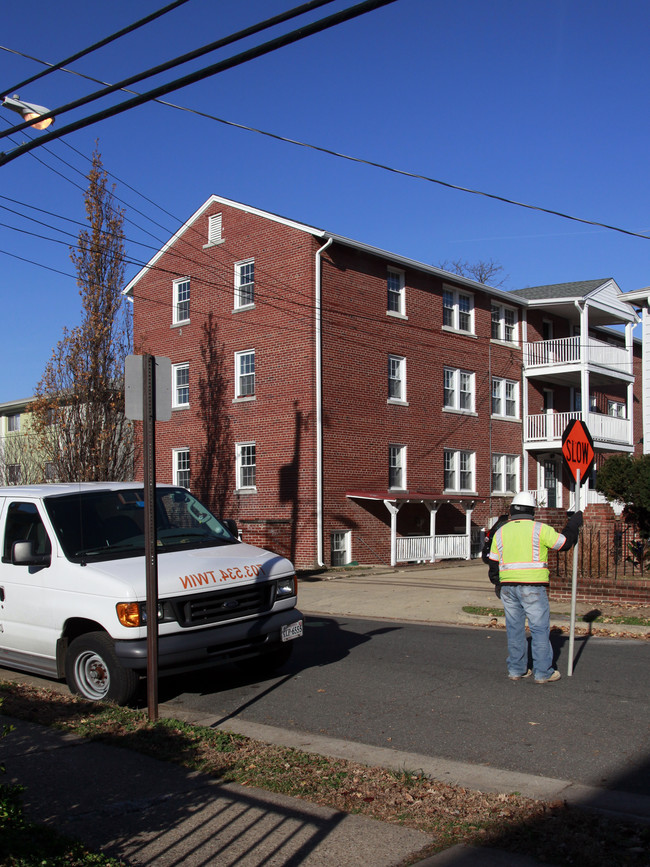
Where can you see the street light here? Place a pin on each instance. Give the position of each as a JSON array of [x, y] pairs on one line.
[[28, 110]]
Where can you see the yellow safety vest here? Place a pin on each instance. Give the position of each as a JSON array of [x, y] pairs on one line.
[[521, 547]]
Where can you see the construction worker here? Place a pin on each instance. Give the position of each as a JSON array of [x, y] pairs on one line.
[[518, 567]]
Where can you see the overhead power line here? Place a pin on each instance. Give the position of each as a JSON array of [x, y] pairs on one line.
[[106, 41], [199, 75], [176, 61]]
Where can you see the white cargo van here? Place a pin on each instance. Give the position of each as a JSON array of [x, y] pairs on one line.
[[73, 598]]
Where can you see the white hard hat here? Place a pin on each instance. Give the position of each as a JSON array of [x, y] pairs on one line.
[[523, 500]]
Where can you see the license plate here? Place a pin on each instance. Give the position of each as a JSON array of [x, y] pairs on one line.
[[292, 630]]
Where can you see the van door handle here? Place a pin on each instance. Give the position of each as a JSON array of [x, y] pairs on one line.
[[2, 594]]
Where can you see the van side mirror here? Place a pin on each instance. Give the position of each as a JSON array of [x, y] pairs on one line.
[[24, 554], [231, 526]]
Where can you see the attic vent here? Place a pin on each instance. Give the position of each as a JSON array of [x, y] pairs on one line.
[[214, 229]]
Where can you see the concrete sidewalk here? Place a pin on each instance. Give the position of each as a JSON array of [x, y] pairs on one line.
[[148, 812]]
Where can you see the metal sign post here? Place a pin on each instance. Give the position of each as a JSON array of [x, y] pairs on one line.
[[578, 452], [574, 586], [147, 391]]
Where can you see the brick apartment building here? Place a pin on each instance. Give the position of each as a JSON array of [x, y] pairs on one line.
[[344, 404]]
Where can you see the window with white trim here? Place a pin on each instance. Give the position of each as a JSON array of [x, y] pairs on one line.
[[505, 474], [340, 548], [215, 226], [616, 408], [458, 310], [244, 284], [458, 389], [459, 470], [13, 423], [397, 467], [14, 474], [246, 466], [245, 373], [181, 467], [396, 302], [396, 378], [504, 323], [181, 303], [505, 397], [180, 385]]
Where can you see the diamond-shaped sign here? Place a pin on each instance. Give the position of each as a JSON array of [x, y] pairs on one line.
[[578, 449]]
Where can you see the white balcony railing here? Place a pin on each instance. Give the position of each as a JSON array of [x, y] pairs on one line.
[[570, 350], [549, 427]]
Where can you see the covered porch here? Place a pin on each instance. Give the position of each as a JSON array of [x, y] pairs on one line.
[[423, 548]]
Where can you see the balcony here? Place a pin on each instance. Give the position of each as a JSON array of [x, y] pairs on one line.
[[545, 356], [545, 431]]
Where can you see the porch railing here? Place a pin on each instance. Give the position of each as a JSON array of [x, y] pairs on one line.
[[570, 350], [414, 548], [603, 428]]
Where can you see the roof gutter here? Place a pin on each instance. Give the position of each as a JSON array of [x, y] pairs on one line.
[[319, 402]]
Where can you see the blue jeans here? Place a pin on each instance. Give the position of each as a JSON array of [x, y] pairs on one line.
[[521, 601]]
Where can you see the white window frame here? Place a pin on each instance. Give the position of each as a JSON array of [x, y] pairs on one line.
[[181, 301], [397, 467], [180, 388], [504, 392], [505, 467], [340, 547], [396, 293], [181, 467], [13, 423], [457, 310], [243, 390], [396, 379], [500, 328], [248, 299], [459, 390], [456, 464], [616, 408], [243, 464]]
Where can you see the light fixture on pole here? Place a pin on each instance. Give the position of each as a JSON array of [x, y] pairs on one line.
[[28, 110]]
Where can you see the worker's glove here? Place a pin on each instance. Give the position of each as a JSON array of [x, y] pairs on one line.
[[497, 589], [575, 521]]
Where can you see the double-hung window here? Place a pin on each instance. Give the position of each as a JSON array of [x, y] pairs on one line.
[[246, 466], [244, 283], [395, 303], [458, 310], [13, 423], [397, 467], [396, 378], [180, 385], [505, 474], [459, 470], [505, 397], [504, 323], [245, 373], [340, 548], [181, 302], [181, 467], [458, 389], [616, 408]]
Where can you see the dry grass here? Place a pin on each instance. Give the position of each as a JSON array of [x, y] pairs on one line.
[[552, 832]]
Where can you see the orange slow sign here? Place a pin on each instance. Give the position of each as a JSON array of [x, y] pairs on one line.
[[578, 449]]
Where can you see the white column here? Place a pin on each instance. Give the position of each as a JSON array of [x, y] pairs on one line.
[[433, 509], [393, 510], [468, 530], [584, 370]]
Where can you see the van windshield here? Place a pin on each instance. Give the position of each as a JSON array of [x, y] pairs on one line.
[[107, 525]]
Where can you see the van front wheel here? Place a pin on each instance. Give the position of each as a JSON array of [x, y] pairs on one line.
[[93, 671]]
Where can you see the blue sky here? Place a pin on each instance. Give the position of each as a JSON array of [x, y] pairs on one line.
[[544, 103]]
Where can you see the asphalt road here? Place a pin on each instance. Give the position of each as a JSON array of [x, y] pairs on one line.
[[443, 691]]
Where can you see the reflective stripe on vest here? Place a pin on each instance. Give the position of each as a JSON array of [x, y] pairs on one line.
[[521, 547]]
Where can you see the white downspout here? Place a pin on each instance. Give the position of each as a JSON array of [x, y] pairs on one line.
[[319, 406]]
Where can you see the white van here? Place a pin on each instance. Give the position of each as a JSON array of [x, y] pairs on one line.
[[73, 597]]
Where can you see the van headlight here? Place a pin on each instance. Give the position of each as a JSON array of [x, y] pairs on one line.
[[134, 614], [285, 587]]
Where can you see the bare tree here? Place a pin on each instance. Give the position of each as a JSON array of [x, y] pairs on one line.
[[78, 412], [489, 272]]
